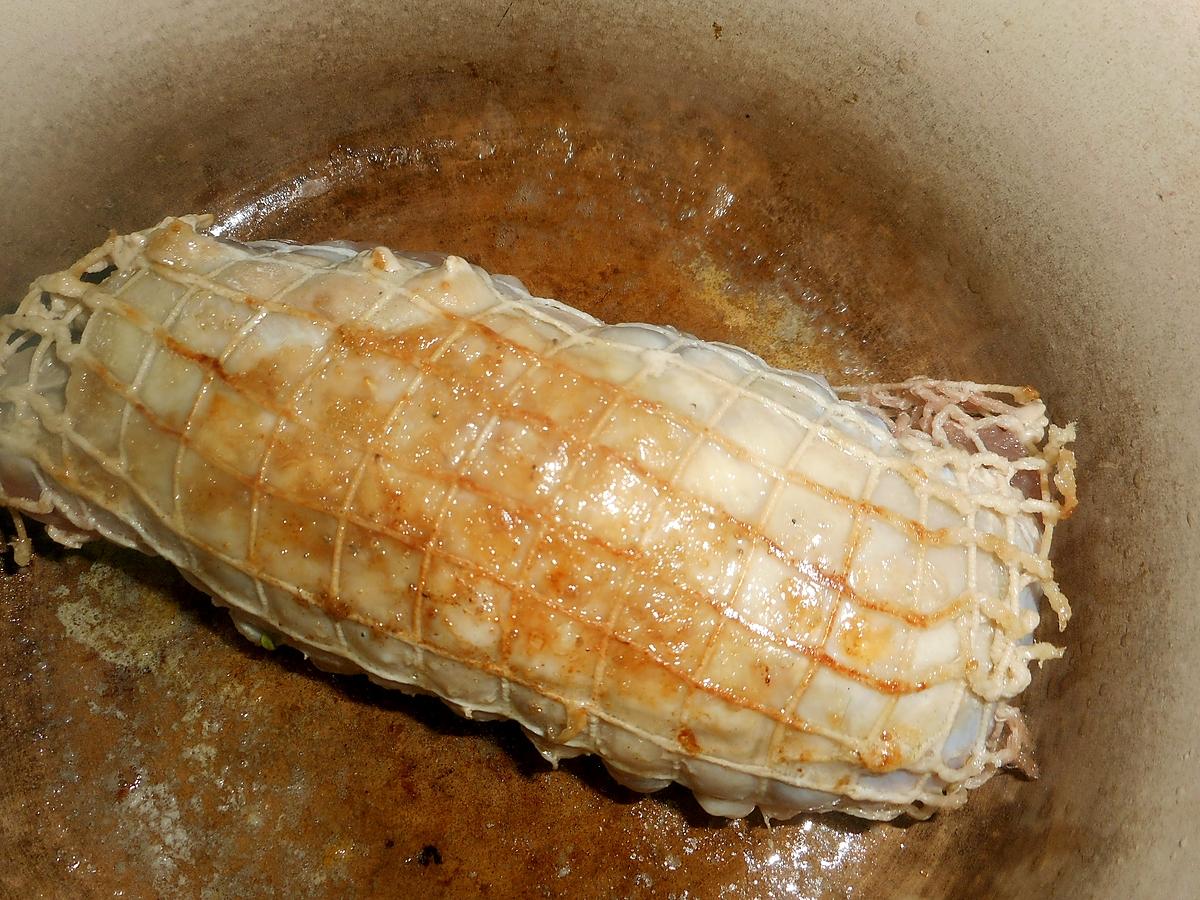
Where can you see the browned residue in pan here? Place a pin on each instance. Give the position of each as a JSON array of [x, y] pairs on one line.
[[150, 749]]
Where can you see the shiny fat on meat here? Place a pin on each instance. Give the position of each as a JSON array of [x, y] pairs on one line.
[[633, 542]]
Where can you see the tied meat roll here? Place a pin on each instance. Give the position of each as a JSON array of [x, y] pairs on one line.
[[633, 542]]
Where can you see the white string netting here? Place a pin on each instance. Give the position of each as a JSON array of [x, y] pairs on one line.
[[967, 427]]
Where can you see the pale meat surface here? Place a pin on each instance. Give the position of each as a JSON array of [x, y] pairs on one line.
[[633, 542]]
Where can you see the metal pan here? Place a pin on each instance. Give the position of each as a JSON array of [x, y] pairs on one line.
[[1005, 193]]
